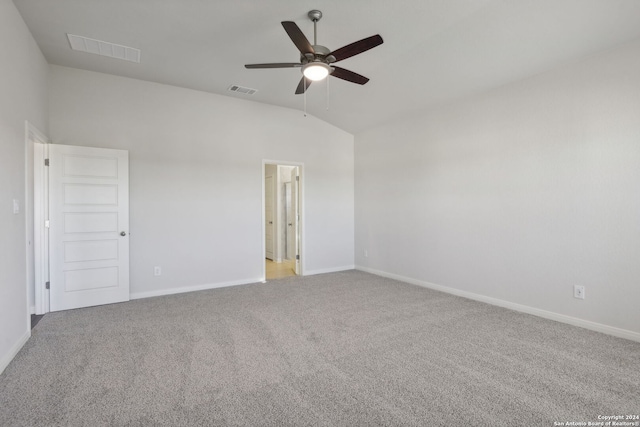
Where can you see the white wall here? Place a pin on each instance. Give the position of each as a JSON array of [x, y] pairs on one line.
[[23, 89], [196, 176], [516, 195]]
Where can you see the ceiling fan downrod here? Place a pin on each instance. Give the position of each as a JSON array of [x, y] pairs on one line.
[[315, 16]]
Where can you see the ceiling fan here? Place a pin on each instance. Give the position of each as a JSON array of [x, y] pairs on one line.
[[316, 60]]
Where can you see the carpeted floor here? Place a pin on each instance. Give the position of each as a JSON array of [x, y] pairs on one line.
[[340, 349]]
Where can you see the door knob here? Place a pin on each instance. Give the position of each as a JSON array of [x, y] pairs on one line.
[[270, 222], [122, 233]]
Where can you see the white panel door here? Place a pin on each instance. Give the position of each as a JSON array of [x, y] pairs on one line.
[[269, 205], [89, 226]]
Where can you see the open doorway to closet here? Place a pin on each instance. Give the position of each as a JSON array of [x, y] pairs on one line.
[[282, 225]]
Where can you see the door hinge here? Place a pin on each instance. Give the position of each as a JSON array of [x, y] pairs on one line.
[[297, 177], [46, 162], [298, 257], [47, 224], [46, 285]]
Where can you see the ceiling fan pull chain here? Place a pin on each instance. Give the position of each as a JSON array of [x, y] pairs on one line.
[[328, 94]]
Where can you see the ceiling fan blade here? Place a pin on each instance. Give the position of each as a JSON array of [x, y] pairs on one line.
[[357, 47], [297, 37], [349, 76], [275, 65], [303, 85]]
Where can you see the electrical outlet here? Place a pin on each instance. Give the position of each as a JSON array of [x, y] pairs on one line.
[[578, 291], [157, 271]]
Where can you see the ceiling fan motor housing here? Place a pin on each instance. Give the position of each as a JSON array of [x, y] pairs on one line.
[[321, 54]]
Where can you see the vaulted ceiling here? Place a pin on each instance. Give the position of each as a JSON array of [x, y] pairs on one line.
[[434, 51]]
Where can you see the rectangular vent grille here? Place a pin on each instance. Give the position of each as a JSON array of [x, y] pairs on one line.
[[242, 90], [99, 47]]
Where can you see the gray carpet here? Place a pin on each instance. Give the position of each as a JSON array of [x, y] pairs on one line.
[[340, 349]]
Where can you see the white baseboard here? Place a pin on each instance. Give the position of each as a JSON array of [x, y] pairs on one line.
[[181, 290], [32, 309], [7, 358], [328, 270], [184, 289], [587, 324]]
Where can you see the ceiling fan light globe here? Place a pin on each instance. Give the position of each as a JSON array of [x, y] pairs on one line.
[[316, 71]]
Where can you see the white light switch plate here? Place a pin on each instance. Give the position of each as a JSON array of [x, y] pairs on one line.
[[16, 206]]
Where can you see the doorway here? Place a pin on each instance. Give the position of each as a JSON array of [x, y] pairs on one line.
[[282, 219]]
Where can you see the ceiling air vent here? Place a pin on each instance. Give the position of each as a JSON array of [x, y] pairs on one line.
[[242, 90], [99, 47]]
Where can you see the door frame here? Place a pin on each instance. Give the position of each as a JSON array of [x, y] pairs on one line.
[[301, 227], [38, 195]]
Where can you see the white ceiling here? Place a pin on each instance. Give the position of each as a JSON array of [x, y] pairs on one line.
[[434, 51]]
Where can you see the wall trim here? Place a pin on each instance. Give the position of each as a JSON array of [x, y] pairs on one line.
[[574, 321], [329, 270], [13, 351], [185, 289]]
